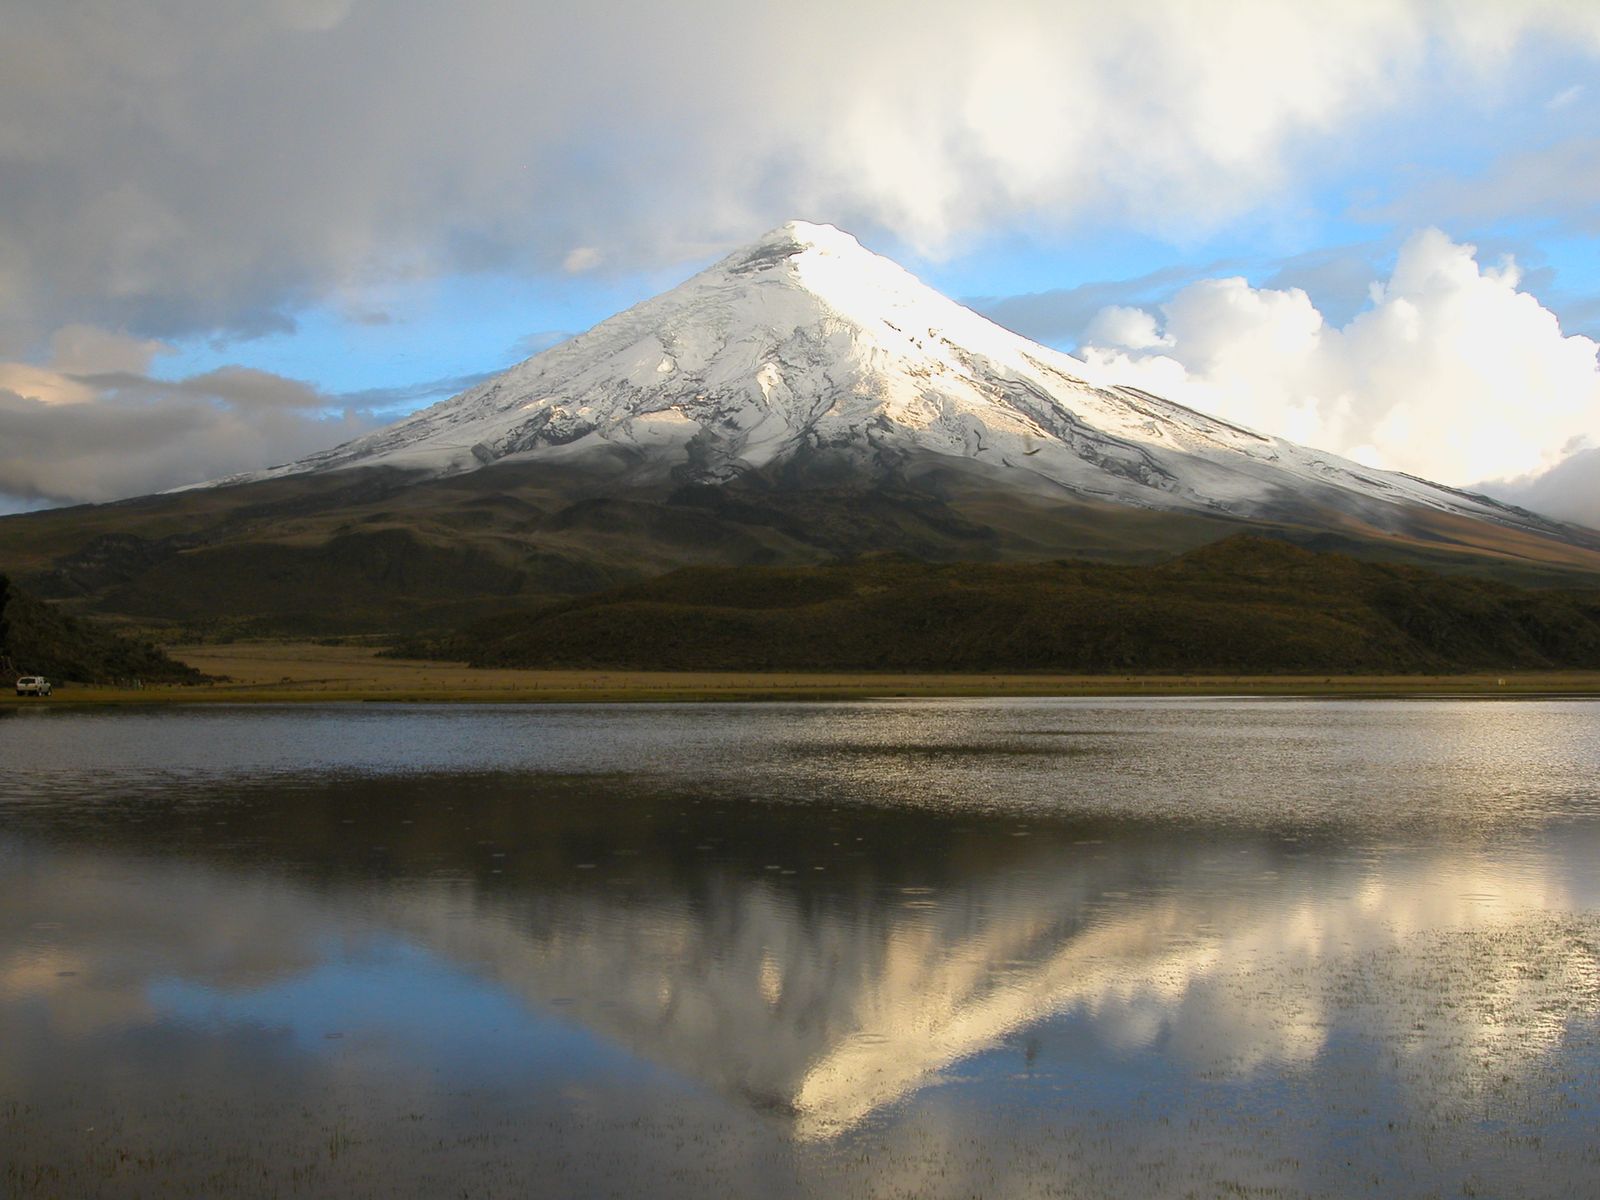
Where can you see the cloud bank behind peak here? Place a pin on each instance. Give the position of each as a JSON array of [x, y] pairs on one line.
[[1450, 372], [168, 169]]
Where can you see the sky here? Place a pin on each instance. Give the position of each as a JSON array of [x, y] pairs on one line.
[[233, 232]]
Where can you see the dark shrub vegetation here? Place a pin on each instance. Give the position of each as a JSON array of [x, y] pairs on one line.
[[1245, 605]]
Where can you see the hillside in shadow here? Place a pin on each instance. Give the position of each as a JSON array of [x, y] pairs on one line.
[[1246, 604]]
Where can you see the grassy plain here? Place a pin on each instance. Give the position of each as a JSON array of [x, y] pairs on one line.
[[275, 671]]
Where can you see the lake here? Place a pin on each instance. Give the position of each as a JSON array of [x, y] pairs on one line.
[[1139, 948]]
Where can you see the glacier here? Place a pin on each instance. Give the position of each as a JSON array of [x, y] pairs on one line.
[[804, 348]]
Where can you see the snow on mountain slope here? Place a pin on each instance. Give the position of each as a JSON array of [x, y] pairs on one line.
[[805, 344]]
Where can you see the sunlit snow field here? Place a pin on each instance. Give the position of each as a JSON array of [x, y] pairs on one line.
[[1005, 948]]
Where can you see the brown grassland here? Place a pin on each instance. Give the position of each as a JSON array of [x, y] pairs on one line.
[[280, 672]]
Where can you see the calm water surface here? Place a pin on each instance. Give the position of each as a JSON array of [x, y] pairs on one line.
[[939, 948]]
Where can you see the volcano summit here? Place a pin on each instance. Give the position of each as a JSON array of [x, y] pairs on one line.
[[799, 401], [804, 355]]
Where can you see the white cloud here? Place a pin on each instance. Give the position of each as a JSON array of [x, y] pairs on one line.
[[171, 168], [176, 169], [1450, 372], [1131, 328]]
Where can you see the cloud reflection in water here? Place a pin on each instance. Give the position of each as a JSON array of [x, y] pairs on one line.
[[832, 968]]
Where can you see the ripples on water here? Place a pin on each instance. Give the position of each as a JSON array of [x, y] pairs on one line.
[[937, 948]]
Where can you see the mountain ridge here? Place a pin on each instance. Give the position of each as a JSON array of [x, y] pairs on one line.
[[800, 401], [805, 346]]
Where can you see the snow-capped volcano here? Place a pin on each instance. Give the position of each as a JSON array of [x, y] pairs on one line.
[[804, 345]]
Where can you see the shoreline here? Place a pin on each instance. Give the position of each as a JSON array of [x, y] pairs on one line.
[[300, 672]]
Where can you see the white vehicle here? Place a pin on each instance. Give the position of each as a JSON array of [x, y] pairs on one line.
[[33, 685]]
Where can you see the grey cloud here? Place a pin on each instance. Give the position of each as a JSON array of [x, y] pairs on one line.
[[236, 387], [135, 435], [245, 387], [1570, 490], [1559, 182], [1339, 281], [245, 324], [170, 169], [129, 433], [407, 396], [537, 343], [1061, 315], [1581, 316]]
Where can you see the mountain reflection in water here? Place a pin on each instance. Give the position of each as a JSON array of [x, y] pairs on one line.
[[821, 960]]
